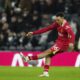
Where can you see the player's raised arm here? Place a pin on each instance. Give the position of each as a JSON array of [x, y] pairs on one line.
[[50, 27]]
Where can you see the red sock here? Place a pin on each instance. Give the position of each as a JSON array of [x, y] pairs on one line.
[[33, 57], [46, 68]]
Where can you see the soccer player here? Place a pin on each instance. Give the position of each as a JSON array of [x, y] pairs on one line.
[[65, 41]]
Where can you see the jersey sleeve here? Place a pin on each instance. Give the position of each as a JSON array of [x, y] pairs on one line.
[[50, 27], [71, 34]]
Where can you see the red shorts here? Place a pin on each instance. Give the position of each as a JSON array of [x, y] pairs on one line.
[[59, 46]]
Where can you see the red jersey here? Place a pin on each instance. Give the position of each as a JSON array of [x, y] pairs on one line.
[[65, 32]]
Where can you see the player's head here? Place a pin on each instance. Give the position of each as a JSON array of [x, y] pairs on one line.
[[59, 17]]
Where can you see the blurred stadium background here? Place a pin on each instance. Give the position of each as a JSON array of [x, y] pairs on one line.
[[19, 16]]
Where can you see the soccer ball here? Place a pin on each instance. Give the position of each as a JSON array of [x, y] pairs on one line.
[[33, 62]]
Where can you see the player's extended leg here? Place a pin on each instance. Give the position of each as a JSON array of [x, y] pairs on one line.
[[46, 67], [35, 57], [53, 50]]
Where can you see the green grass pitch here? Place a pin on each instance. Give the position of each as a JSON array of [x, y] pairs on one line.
[[32, 73]]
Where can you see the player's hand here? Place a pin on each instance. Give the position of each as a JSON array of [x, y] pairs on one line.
[[71, 47], [29, 34]]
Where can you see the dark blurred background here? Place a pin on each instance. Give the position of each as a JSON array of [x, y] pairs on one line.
[[19, 16]]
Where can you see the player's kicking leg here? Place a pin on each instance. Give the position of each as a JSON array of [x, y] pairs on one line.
[[39, 56]]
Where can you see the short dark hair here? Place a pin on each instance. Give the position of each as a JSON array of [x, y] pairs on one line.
[[60, 14]]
